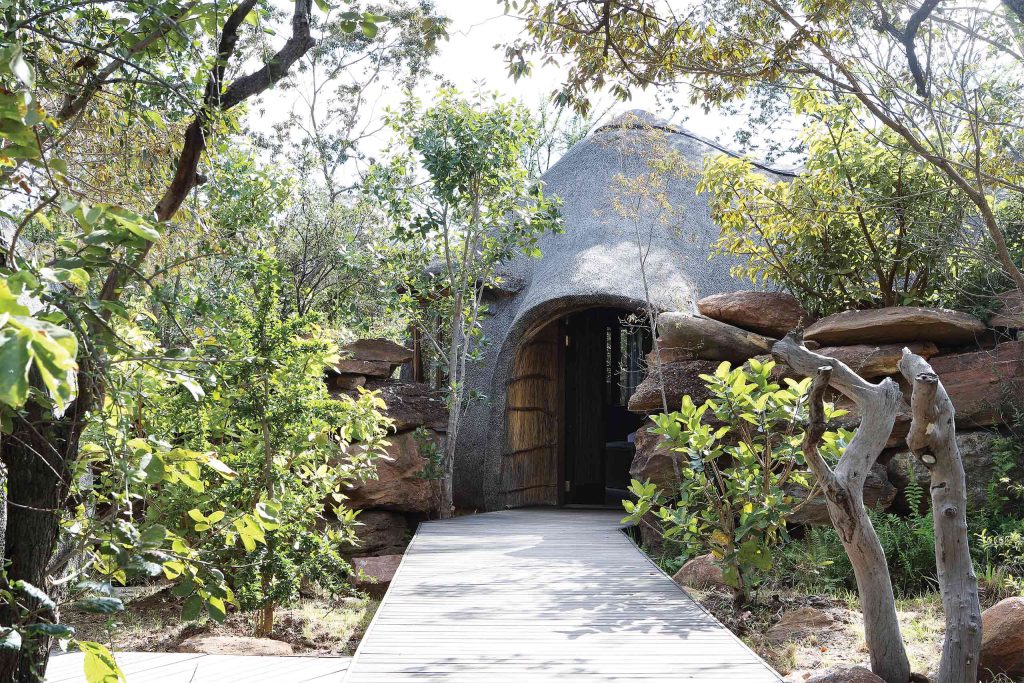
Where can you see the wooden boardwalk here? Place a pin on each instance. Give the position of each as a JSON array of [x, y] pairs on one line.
[[175, 667], [542, 595]]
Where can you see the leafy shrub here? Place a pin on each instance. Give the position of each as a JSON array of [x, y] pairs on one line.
[[865, 223], [738, 450], [290, 447], [819, 561]]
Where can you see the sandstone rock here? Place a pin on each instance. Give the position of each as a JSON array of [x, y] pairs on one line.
[[872, 361], [374, 574], [366, 368], [377, 350], [857, 674], [769, 313], [668, 355], [680, 379], [347, 382], [700, 572], [798, 624], [896, 324], [381, 533], [1002, 638], [235, 645], [976, 453], [653, 460], [710, 339], [879, 493], [397, 486], [1011, 311], [412, 404], [985, 386]]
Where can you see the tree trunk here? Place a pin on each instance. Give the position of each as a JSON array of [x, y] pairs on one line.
[[454, 409], [844, 493], [37, 485], [932, 439]]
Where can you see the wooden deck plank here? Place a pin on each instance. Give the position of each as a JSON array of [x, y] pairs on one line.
[[542, 595]]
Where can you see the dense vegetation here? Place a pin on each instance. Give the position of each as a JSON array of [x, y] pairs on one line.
[[174, 280]]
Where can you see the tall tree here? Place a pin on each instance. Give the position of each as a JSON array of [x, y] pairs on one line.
[[477, 208], [179, 65], [943, 77]]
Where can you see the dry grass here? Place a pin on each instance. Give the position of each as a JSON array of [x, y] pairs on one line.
[[153, 624], [842, 645]]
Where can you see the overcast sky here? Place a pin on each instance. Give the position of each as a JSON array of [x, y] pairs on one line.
[[472, 58]]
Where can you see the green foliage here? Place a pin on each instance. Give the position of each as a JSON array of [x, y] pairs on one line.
[[477, 207], [863, 225], [290, 449], [818, 562], [738, 452]]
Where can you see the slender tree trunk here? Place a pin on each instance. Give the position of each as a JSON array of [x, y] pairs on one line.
[[37, 484], [455, 390], [932, 439], [267, 578], [844, 493]]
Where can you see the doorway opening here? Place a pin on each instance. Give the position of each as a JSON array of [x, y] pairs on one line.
[[604, 362]]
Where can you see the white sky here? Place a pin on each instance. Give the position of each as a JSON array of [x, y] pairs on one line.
[[472, 58]]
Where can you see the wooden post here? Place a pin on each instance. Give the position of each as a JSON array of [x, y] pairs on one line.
[[843, 489], [932, 439]]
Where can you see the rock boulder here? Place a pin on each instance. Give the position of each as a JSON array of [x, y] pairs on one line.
[[381, 350], [701, 572], [374, 574], [879, 493], [412, 404], [1002, 638], [382, 533], [681, 379], [798, 624], [710, 339], [397, 486], [773, 314], [857, 674], [364, 368], [976, 454], [872, 361], [1010, 313], [896, 324], [984, 385], [653, 460]]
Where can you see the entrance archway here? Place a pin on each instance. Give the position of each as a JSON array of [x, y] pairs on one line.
[[568, 432]]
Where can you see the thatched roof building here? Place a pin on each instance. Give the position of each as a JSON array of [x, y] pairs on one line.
[[562, 358]]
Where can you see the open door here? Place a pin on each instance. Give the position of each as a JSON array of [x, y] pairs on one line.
[[604, 363]]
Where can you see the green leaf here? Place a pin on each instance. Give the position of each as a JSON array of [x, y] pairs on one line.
[[192, 608], [36, 594], [100, 605], [99, 665], [216, 609], [369, 29], [15, 360], [10, 640]]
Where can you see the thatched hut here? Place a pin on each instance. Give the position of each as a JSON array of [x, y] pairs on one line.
[[563, 356]]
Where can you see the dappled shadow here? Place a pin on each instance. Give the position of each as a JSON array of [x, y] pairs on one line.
[[542, 591]]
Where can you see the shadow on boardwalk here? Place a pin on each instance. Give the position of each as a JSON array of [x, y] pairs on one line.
[[542, 594]]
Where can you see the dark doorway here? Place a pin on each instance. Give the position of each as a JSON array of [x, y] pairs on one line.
[[604, 363]]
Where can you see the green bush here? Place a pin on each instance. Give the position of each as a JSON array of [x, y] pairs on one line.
[[737, 452], [866, 224], [818, 562]]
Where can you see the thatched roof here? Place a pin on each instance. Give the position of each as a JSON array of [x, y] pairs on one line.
[[594, 262], [598, 252]]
